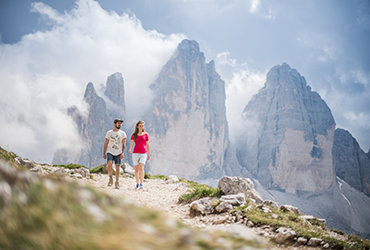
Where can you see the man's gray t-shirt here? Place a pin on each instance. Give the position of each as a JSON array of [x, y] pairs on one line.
[[115, 141]]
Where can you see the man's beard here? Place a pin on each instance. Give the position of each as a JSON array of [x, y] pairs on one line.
[[118, 126]]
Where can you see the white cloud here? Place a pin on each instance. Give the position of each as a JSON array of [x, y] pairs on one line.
[[361, 120], [321, 47], [254, 5], [242, 84], [47, 71]]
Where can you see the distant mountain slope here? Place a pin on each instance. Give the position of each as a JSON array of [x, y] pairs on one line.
[[351, 163], [289, 145], [93, 127], [187, 122]]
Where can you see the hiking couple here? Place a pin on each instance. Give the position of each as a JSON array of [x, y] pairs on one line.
[[114, 148]]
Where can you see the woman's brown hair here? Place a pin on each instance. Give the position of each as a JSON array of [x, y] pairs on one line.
[[137, 128]]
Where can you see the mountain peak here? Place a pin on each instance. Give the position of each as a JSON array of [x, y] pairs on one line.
[[284, 75], [188, 50], [90, 93], [115, 89]]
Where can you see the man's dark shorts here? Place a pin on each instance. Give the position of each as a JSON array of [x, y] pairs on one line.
[[115, 158]]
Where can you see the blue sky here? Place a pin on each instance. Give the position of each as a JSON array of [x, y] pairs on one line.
[[51, 49]]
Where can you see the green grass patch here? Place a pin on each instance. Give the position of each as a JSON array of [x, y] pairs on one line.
[[191, 184], [158, 176], [97, 169], [200, 192], [9, 157], [70, 166], [302, 228]]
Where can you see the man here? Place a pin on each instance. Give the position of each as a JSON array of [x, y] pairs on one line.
[[114, 148]]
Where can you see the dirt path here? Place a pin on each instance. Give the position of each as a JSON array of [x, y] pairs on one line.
[[163, 197], [155, 194]]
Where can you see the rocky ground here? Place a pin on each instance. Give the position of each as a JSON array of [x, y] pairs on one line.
[[157, 194], [163, 195]]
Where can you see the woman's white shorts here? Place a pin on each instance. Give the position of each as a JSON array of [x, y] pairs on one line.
[[139, 158]]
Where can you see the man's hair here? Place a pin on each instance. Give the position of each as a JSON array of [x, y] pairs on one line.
[[118, 120]]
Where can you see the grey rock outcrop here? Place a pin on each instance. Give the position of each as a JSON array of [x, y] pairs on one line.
[[236, 185], [94, 126], [202, 206], [187, 122], [289, 145], [242, 232], [234, 199], [290, 208], [115, 92], [351, 163], [25, 162], [284, 234], [172, 179]]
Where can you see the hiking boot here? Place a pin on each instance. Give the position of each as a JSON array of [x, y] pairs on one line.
[[110, 183], [117, 185]]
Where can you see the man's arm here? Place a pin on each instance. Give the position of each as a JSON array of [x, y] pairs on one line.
[[105, 148]]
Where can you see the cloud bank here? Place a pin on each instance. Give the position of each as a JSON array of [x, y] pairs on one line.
[[47, 71]]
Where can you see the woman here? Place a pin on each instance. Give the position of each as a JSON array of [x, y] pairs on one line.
[[141, 152]]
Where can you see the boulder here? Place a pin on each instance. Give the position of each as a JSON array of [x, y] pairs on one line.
[[239, 215], [201, 206], [284, 234], [314, 242], [265, 209], [310, 218], [239, 232], [60, 172], [78, 176], [128, 169], [84, 172], [38, 170], [172, 179], [25, 162], [234, 199], [235, 185], [272, 204], [224, 207], [290, 209], [302, 240]]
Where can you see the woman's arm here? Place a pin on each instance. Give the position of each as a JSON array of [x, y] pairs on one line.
[[148, 149], [131, 144]]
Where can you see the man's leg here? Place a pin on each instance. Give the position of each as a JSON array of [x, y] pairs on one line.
[[110, 173], [118, 168], [117, 163]]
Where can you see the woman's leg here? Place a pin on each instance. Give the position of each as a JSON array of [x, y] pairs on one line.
[[141, 167], [137, 169]]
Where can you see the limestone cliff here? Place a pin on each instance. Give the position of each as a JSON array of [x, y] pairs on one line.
[[187, 122], [288, 147], [93, 127], [351, 163], [115, 92]]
